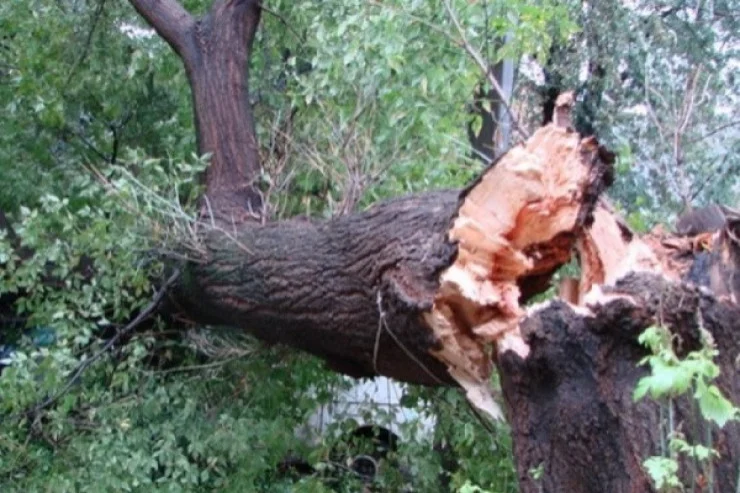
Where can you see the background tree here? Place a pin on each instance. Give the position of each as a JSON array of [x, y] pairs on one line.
[[657, 81]]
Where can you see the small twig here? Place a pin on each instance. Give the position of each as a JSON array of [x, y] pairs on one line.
[[210, 210], [403, 347], [376, 347], [283, 21], [89, 145], [712, 178], [88, 41], [713, 132], [206, 366], [143, 315], [481, 419]]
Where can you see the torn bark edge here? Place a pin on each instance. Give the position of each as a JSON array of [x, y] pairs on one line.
[[515, 226]]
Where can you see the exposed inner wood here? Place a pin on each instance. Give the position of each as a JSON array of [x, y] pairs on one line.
[[519, 221], [699, 252], [608, 250]]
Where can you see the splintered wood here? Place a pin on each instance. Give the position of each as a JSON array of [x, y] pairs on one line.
[[521, 219], [608, 250], [524, 218]]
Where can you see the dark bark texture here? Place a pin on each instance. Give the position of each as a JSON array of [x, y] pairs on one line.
[[215, 51], [570, 402], [350, 290], [218, 73]]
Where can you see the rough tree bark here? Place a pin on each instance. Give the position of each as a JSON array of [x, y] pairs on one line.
[[215, 51], [429, 289]]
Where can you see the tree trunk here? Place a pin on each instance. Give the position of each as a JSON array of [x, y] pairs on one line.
[[570, 401], [215, 51], [218, 76]]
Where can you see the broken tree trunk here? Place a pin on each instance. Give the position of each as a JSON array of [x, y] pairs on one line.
[[415, 288], [570, 402]]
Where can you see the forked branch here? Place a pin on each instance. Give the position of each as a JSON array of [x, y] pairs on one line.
[[171, 21]]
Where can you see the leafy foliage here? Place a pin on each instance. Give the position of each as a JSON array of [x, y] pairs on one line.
[[658, 82], [671, 377]]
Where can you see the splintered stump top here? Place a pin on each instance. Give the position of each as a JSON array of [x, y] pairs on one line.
[[517, 224]]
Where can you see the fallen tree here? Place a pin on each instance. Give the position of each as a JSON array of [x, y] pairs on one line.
[[416, 288], [431, 288]]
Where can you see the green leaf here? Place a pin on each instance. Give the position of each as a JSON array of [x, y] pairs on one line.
[[663, 471], [641, 390], [666, 379], [476, 124], [713, 405]]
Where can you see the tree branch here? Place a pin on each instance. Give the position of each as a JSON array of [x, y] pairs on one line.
[[715, 131], [486, 68], [284, 21], [85, 364], [97, 14], [171, 21]]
